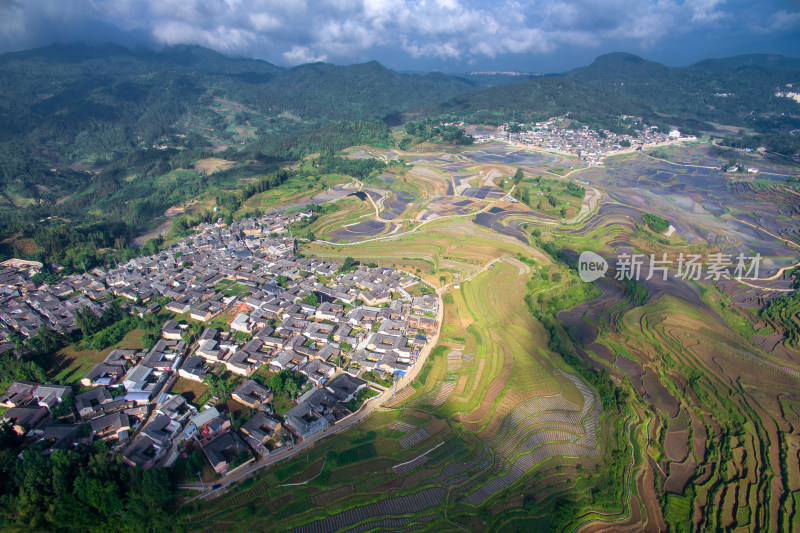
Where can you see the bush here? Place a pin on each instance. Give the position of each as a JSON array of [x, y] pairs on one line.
[[112, 334], [655, 222], [13, 369], [375, 378], [362, 395]]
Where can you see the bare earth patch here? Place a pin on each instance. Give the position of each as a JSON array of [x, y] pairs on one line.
[[210, 165]]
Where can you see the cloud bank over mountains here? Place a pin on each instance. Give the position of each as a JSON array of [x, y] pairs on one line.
[[407, 32]]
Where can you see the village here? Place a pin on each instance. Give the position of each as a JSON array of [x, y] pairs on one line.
[[292, 345], [589, 145]]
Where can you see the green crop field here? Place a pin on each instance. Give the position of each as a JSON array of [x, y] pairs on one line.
[[548, 401], [503, 367]]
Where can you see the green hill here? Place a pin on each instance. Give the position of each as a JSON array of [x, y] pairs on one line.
[[77, 108], [93, 135], [539, 99], [738, 91]]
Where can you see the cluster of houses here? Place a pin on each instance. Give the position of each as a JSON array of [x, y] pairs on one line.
[[25, 308], [30, 403], [242, 303], [584, 142]]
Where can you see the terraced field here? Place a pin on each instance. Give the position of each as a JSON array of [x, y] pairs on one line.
[[537, 430], [352, 210], [672, 414]]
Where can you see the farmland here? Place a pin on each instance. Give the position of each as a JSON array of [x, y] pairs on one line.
[[446, 436], [549, 403]]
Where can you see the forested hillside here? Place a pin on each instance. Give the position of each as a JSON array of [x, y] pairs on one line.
[[68, 109], [98, 141], [739, 91], [539, 99]]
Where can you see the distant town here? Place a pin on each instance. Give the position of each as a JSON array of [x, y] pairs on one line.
[[586, 143], [297, 344]]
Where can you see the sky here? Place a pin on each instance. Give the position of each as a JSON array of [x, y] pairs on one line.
[[419, 35]]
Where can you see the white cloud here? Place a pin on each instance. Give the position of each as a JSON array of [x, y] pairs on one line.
[[222, 38], [295, 31], [302, 54], [706, 10], [446, 50], [264, 22], [781, 20]]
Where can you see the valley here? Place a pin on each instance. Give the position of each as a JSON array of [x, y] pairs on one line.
[[692, 428], [238, 296]]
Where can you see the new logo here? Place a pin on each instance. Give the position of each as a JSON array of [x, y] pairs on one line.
[[591, 266]]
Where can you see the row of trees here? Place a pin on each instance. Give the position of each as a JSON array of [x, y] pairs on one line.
[[546, 311], [232, 201], [96, 332], [329, 163]]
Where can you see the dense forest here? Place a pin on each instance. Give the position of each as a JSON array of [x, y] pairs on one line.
[[75, 115], [539, 99], [742, 91], [79, 490], [780, 143], [746, 91], [738, 91]]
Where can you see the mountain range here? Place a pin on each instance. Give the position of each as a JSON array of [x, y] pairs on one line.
[[91, 128]]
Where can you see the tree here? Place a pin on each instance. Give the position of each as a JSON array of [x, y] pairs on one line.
[[518, 176], [46, 341], [349, 264], [655, 223], [82, 490], [111, 314], [148, 341], [218, 386], [88, 322], [286, 383], [65, 406], [563, 511], [13, 369], [311, 299]]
